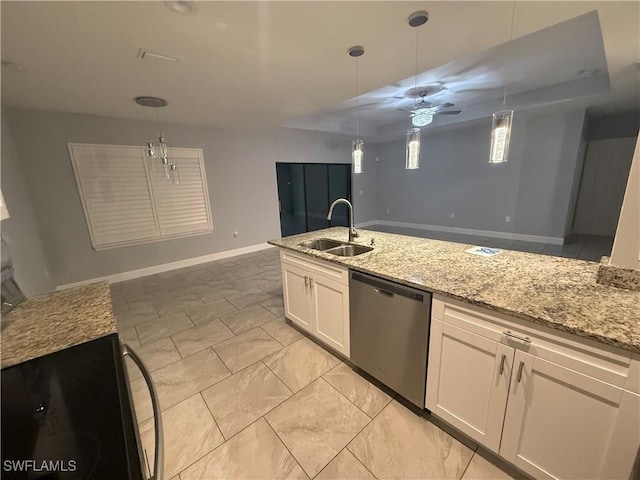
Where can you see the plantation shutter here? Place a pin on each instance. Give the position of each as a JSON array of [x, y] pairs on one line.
[[127, 199]]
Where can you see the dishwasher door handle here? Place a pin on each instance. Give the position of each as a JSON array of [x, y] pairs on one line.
[[383, 292]]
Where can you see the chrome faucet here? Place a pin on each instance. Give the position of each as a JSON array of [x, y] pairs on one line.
[[352, 231]]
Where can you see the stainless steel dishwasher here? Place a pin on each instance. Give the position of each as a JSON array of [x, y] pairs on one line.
[[390, 333]]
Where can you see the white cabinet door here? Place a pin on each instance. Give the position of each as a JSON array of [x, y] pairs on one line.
[[468, 382], [330, 306], [295, 286], [559, 423]]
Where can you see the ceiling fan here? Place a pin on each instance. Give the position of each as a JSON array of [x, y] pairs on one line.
[[422, 112]]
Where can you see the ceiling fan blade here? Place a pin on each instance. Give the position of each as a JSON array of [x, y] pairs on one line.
[[449, 112], [445, 105]]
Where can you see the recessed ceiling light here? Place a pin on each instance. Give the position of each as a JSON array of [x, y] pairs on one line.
[[14, 67], [182, 7]]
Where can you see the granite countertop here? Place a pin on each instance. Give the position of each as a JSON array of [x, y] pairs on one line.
[[556, 292], [48, 323]]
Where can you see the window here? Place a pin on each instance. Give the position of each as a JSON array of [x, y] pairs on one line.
[[128, 201]]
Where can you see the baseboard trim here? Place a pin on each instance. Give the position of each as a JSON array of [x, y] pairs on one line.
[[165, 267], [470, 231]]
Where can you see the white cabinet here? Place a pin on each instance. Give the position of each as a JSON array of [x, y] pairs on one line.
[[552, 404], [316, 298]]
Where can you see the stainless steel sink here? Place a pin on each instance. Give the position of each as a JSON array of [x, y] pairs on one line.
[[349, 250], [321, 244]]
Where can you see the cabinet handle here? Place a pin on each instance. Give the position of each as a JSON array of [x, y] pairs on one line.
[[520, 371], [517, 337], [310, 283], [502, 360], [306, 282]]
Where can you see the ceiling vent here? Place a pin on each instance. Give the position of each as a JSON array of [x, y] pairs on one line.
[[158, 58]]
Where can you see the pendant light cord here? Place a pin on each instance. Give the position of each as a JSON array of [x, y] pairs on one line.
[[158, 122], [513, 19], [415, 79], [357, 103]]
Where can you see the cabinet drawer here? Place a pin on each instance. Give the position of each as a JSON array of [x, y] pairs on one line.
[[317, 267], [600, 361]]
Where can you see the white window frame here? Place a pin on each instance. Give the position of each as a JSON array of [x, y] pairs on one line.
[[154, 181]]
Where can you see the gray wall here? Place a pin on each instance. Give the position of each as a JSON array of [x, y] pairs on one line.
[[241, 179], [616, 125], [533, 188], [21, 230], [365, 187], [604, 180]]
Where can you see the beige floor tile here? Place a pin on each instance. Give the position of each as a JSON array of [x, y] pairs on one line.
[[300, 363], [369, 398], [247, 318], [142, 306], [481, 469], [210, 311], [401, 444], [345, 467], [129, 319], [275, 305], [247, 348], [182, 301], [178, 381], [163, 327], [255, 453], [274, 289], [315, 424], [201, 336], [244, 397], [248, 297], [155, 355], [189, 433], [282, 332], [217, 292], [129, 336]]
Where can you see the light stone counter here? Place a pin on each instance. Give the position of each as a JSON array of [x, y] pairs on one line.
[[560, 293], [48, 323]]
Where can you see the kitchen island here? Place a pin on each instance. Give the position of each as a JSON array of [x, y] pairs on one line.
[[555, 292], [528, 355]]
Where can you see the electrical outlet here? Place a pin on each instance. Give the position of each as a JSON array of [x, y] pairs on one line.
[[507, 219], [388, 211], [453, 215], [236, 234], [360, 192]]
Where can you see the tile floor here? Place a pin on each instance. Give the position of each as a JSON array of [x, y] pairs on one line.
[[244, 395], [581, 247]]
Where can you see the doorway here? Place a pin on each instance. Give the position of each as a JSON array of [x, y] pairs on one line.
[[305, 192]]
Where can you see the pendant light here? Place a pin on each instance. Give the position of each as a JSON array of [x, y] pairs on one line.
[[502, 120], [170, 169], [412, 153], [357, 146]]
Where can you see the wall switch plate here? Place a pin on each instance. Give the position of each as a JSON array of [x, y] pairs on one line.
[[236, 234], [507, 219], [453, 215]]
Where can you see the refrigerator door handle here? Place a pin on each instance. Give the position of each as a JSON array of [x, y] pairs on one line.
[[158, 457]]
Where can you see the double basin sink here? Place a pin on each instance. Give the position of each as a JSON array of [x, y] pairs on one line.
[[336, 247]]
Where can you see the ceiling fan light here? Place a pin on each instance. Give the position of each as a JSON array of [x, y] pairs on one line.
[[421, 119]]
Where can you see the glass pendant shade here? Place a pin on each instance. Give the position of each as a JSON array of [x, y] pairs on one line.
[[357, 155], [500, 136], [151, 151], [413, 149], [164, 153]]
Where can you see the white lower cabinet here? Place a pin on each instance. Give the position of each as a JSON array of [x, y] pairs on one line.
[[553, 405], [316, 298]]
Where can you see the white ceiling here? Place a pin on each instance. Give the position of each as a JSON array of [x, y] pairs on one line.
[[246, 64]]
